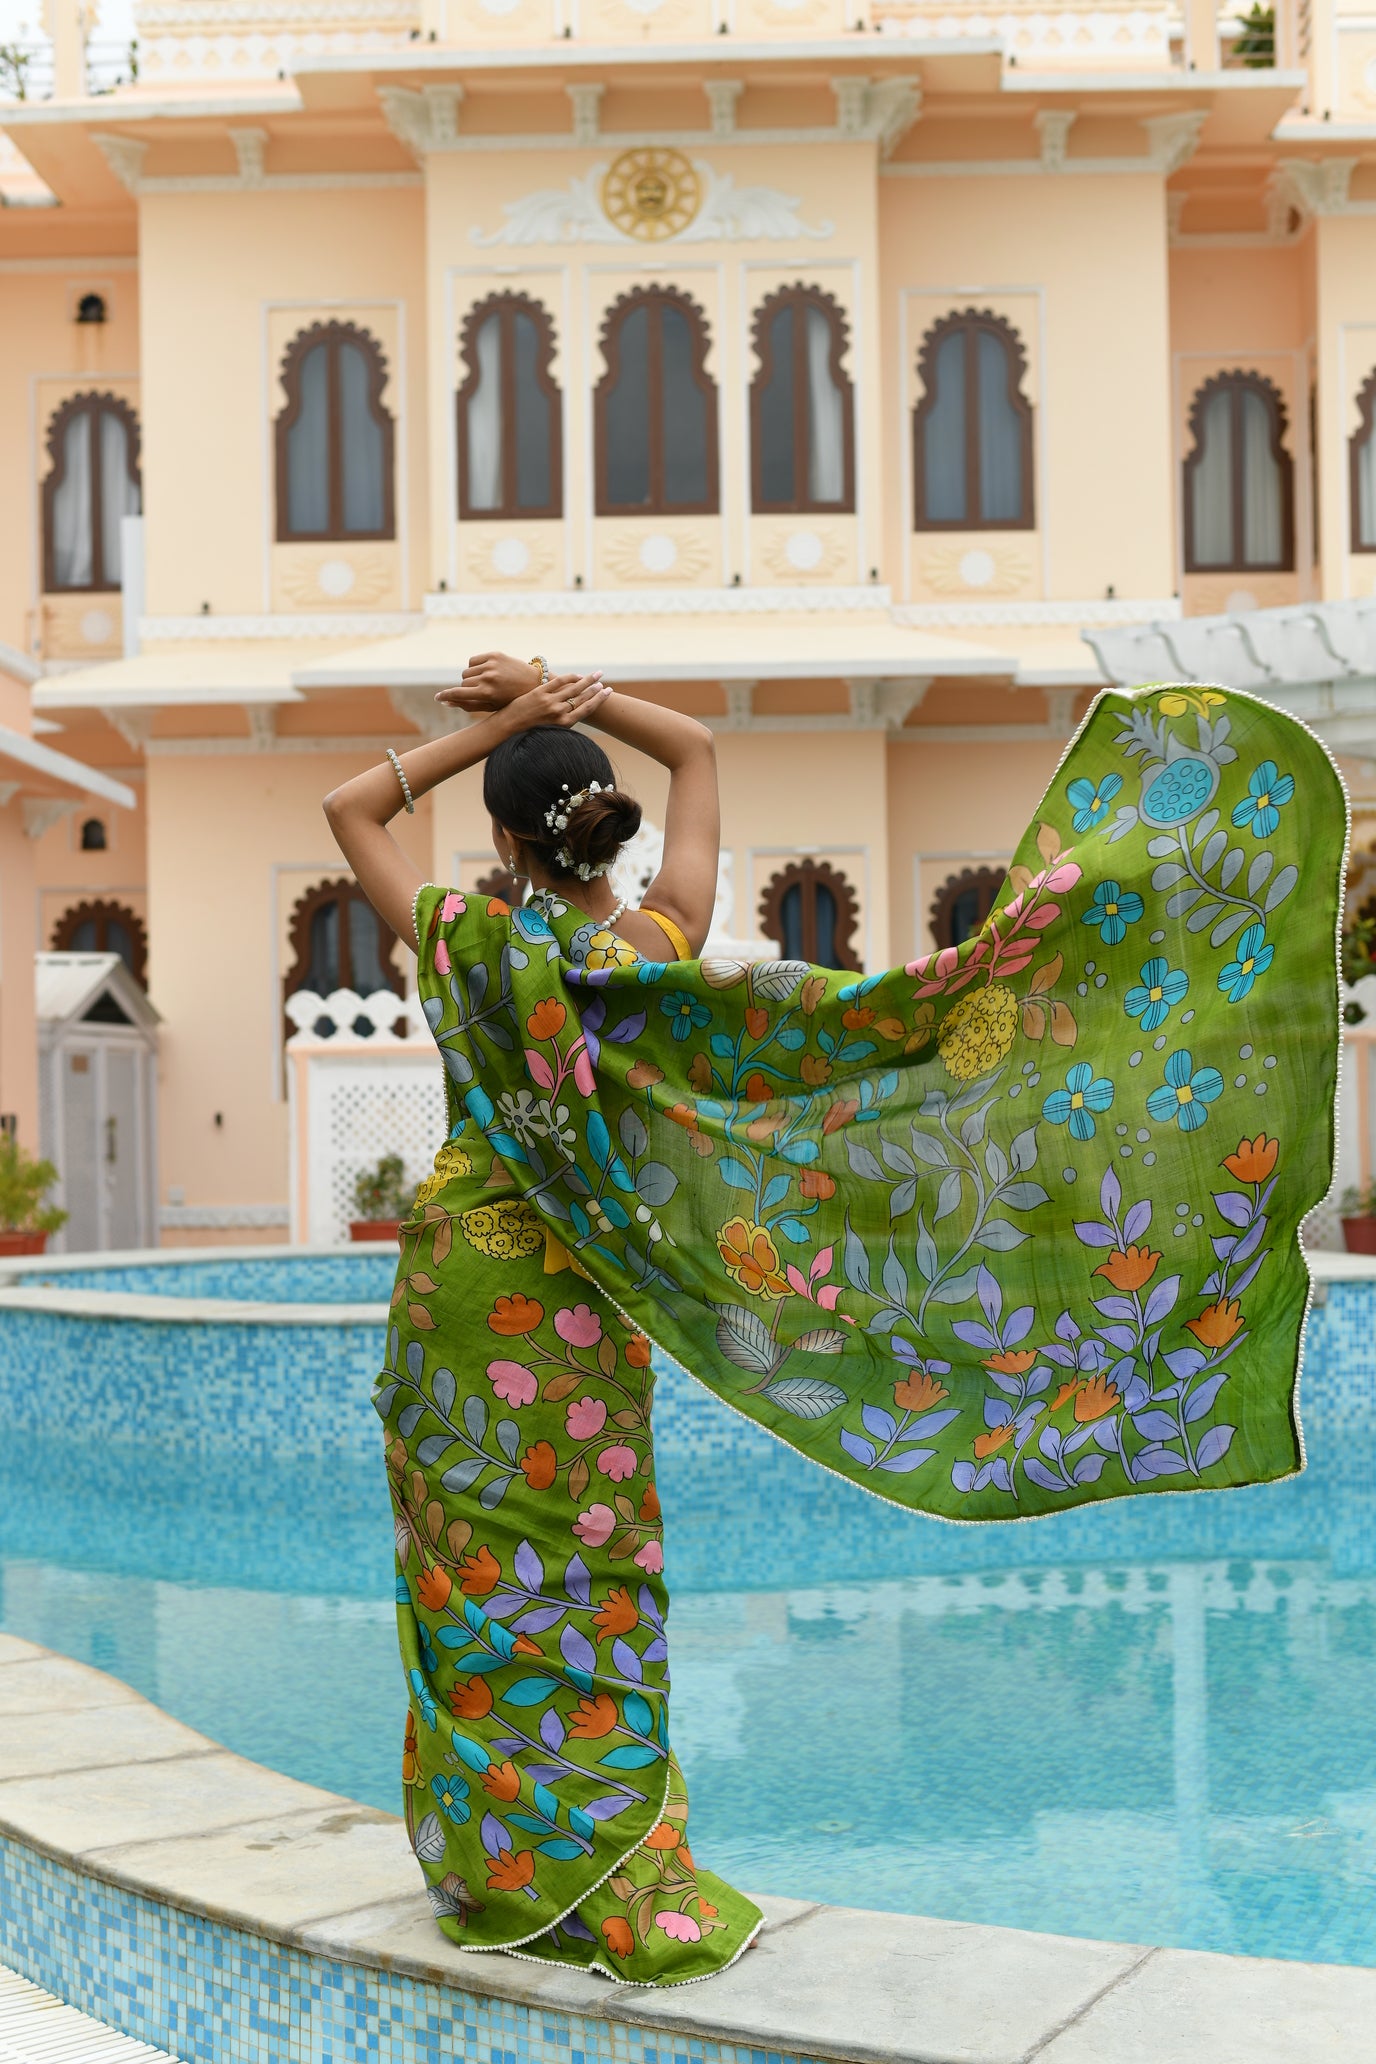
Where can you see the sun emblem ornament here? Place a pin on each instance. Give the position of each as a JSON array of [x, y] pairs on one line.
[[651, 194]]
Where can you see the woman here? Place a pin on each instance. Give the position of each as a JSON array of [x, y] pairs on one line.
[[896, 1220]]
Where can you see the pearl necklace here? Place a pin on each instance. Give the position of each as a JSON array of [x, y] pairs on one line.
[[544, 897]]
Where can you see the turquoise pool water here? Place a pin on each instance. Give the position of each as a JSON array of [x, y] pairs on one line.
[[1153, 1722]]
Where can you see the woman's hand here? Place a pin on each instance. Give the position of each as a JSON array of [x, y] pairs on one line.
[[563, 700], [490, 681]]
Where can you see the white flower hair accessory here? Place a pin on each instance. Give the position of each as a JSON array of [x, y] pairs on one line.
[[557, 819]]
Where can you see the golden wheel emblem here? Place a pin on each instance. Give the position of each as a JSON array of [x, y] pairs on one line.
[[651, 194]]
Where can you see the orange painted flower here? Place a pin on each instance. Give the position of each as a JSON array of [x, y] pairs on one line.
[[546, 1021], [665, 1836], [707, 1910], [618, 1937], [410, 1754], [509, 1873], [857, 1018], [1217, 1323], [815, 1182], [497, 908], [1065, 1394], [751, 1258], [644, 1075], [1254, 1158], [815, 1069], [841, 1113], [515, 1314], [616, 1614], [523, 1645], [1130, 1270], [997, 1437], [685, 1115], [1014, 1361], [471, 1700], [479, 1573], [756, 1021], [649, 1505], [1096, 1397], [433, 1587], [502, 1780], [540, 1465], [919, 1393], [757, 1090], [593, 1718], [638, 1351], [700, 1073]]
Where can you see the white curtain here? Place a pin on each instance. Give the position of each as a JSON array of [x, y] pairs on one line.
[[485, 419], [308, 449], [943, 436], [1261, 486], [73, 557], [1211, 483], [1366, 491], [361, 453], [1000, 436], [119, 495], [826, 459]]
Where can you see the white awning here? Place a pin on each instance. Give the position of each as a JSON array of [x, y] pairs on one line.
[[27, 752]]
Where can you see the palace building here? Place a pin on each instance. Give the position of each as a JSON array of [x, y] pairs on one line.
[[873, 380]]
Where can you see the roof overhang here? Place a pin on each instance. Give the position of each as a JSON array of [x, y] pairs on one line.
[[38, 770], [208, 672], [67, 984]]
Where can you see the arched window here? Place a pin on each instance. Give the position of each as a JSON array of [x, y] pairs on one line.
[[809, 908], [338, 941], [972, 429], [334, 438], [802, 419], [93, 482], [93, 836], [1363, 460], [509, 412], [1239, 479], [962, 903], [104, 928], [655, 409]]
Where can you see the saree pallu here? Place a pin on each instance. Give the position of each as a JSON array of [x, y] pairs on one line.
[[994, 1234]]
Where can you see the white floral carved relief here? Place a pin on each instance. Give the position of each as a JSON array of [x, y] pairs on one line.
[[728, 213]]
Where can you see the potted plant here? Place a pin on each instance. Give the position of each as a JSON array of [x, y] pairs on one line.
[[1357, 1211], [382, 1198], [25, 1220]]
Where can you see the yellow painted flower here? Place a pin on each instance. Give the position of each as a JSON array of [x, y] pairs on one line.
[[505, 1231], [977, 1031], [1175, 703], [450, 1161], [751, 1258], [605, 950]]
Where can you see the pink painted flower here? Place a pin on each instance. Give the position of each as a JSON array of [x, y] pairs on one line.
[[595, 1526], [585, 1417], [513, 1382], [579, 1325], [441, 958], [679, 1927], [651, 1558], [827, 1297], [452, 907], [618, 1463]]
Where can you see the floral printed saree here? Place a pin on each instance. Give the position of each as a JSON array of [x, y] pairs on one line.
[[993, 1234]]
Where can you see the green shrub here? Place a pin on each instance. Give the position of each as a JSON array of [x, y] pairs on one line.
[[383, 1192], [24, 1183]]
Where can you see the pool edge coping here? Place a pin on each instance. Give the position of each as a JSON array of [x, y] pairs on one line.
[[392, 1931]]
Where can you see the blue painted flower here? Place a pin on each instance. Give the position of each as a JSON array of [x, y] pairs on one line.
[[684, 1012], [424, 1698], [1254, 955], [1113, 909], [427, 1648], [452, 1794], [1160, 989], [1186, 1093], [1083, 1093], [1267, 792], [1091, 804]]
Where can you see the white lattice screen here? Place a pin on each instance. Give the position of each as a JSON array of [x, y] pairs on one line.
[[360, 1105]]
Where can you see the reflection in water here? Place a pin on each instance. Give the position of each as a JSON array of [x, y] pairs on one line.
[[1153, 1721]]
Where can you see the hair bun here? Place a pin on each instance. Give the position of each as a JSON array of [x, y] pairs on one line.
[[600, 826]]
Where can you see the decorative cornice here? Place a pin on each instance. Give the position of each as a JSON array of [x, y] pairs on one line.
[[250, 146], [931, 615], [877, 112], [579, 602], [1173, 139], [124, 155], [1316, 189], [586, 102], [1054, 125], [722, 95], [192, 629], [423, 120]]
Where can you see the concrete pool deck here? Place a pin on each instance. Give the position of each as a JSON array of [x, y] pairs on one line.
[[112, 1806]]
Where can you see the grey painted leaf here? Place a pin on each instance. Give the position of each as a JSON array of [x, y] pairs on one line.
[[804, 1397], [1204, 826], [902, 1198], [430, 1839], [948, 1197], [475, 1416], [1182, 900], [464, 1473], [1226, 926], [410, 1419], [956, 1289], [745, 1340], [1167, 875], [432, 1447], [1001, 1234], [1198, 920], [1258, 871], [1229, 870], [822, 1340], [1214, 851], [1161, 845], [1281, 886], [443, 1388], [776, 980], [930, 1150]]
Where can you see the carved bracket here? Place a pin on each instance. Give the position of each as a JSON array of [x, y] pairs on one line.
[[424, 121]]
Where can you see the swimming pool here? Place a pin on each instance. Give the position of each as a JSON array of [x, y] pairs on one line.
[[1153, 1722]]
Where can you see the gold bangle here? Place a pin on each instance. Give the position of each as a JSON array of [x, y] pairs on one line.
[[541, 666]]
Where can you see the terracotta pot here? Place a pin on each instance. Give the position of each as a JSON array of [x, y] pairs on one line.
[[12, 1242], [1359, 1235], [374, 1228]]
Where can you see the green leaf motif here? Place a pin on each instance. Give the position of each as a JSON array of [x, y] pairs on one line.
[[804, 1397], [745, 1340]]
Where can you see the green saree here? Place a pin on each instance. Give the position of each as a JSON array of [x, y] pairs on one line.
[[1005, 1230]]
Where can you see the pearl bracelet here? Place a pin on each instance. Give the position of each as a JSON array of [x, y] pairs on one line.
[[405, 784]]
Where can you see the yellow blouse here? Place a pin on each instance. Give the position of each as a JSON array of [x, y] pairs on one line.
[[677, 939]]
